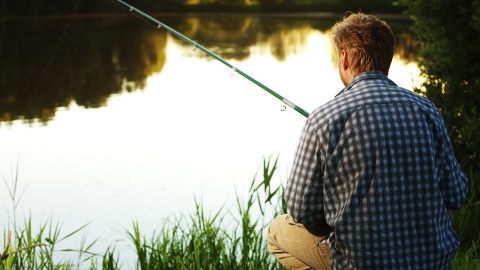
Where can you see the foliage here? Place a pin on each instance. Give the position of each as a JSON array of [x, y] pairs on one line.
[[34, 7], [448, 33]]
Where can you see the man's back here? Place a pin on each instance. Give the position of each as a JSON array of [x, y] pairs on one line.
[[384, 172], [374, 167]]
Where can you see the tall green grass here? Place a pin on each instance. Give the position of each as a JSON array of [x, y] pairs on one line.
[[219, 240], [30, 247], [223, 239], [466, 225]]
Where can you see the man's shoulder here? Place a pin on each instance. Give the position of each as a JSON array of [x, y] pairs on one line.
[[368, 91]]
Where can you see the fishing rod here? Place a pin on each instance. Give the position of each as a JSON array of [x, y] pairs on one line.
[[159, 25]]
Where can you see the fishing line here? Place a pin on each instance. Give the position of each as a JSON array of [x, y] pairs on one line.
[[54, 54], [155, 23]]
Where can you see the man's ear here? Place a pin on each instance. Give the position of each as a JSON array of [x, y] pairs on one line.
[[344, 60]]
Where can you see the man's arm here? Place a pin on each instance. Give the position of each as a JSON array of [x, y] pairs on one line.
[[453, 183], [304, 191]]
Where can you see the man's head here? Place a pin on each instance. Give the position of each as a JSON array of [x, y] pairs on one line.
[[364, 43]]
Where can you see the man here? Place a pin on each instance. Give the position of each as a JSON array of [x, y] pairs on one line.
[[374, 175]]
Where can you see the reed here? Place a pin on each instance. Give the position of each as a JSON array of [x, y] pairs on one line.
[[219, 240], [29, 247]]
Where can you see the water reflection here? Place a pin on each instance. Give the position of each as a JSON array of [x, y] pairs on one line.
[[46, 65], [50, 63]]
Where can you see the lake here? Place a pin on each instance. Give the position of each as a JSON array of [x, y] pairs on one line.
[[107, 120]]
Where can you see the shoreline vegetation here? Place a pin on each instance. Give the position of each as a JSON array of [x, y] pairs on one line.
[[85, 7], [222, 239], [298, 14]]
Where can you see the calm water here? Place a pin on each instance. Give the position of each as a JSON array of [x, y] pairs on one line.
[[111, 121]]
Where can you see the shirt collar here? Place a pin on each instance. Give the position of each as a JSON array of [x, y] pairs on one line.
[[368, 75]]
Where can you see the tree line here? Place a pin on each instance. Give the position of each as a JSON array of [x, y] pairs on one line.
[[35, 7]]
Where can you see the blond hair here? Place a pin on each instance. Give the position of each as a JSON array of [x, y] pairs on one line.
[[368, 41]]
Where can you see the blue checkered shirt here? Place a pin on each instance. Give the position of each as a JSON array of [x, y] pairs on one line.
[[376, 163]]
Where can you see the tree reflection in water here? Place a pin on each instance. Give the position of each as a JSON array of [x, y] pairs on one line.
[[45, 65]]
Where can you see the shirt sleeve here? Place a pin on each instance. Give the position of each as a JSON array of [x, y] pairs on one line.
[[453, 182], [304, 190]]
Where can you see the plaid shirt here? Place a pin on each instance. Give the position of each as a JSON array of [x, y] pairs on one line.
[[376, 163]]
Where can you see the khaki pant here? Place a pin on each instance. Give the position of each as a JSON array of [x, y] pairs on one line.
[[297, 247]]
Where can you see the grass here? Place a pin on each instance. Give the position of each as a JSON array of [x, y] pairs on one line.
[[467, 258], [211, 241], [466, 225], [217, 240], [26, 247]]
